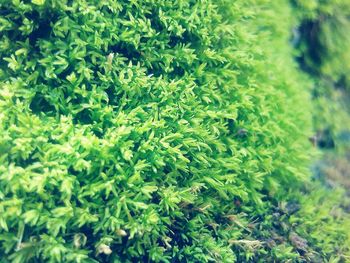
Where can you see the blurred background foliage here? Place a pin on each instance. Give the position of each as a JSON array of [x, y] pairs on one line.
[[322, 41]]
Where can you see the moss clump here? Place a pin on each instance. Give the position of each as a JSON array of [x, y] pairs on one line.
[[148, 131]]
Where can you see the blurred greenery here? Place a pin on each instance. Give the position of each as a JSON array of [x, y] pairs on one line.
[[325, 38]]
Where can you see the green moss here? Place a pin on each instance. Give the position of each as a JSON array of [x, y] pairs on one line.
[[325, 220], [149, 131]]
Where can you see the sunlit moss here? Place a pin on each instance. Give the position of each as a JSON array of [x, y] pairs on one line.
[[152, 131]]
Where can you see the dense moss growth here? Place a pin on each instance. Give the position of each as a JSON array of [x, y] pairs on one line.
[[156, 131]]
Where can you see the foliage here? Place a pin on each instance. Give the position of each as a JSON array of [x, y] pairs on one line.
[[325, 36], [331, 117], [324, 49], [324, 217], [149, 131]]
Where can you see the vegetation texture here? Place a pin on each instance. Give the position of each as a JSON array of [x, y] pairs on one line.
[[158, 131], [325, 38]]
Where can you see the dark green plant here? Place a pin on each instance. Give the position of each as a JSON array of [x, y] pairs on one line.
[[150, 131]]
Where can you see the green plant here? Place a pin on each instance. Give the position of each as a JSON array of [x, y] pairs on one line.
[[148, 131]]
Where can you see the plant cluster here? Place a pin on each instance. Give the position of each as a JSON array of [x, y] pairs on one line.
[[153, 131]]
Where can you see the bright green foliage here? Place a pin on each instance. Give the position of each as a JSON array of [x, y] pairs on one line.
[[148, 131]]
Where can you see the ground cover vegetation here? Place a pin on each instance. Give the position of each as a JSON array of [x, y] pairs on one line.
[[161, 131]]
